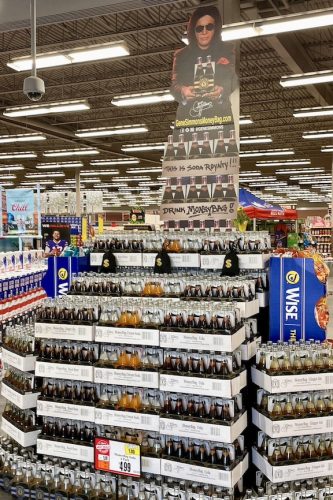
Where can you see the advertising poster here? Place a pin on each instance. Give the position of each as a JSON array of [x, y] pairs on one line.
[[56, 236], [20, 211], [201, 160], [137, 216], [297, 304]]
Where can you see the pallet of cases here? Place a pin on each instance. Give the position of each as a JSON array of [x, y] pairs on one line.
[[293, 410]]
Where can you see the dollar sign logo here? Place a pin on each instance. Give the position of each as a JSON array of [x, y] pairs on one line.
[[228, 264], [158, 262], [106, 263]]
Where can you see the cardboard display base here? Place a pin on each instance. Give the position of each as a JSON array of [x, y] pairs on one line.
[[65, 450], [23, 438], [292, 383], [292, 427], [23, 401], [201, 430], [23, 363], [206, 475], [203, 386], [294, 472]]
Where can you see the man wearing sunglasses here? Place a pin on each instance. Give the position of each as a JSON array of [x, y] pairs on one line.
[[204, 35]]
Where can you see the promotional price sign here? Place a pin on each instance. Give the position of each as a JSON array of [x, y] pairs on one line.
[[118, 457]]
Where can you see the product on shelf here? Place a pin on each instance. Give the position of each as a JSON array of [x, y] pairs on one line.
[[295, 357], [192, 242]]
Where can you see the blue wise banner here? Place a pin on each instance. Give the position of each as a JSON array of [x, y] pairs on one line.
[[298, 308], [58, 277]]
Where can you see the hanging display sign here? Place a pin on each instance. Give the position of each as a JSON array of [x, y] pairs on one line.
[[298, 304], [20, 208], [118, 457], [201, 161], [137, 216]]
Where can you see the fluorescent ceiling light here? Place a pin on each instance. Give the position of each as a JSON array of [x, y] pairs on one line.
[[6, 139], [144, 170], [278, 24], [312, 78], [18, 154], [7, 183], [11, 167], [60, 164], [318, 111], [47, 108], [255, 139], [91, 181], [82, 54], [245, 120], [317, 134], [105, 131], [281, 163], [144, 147], [31, 183], [99, 172], [71, 152], [246, 173], [129, 179], [327, 149], [7, 177], [143, 98], [267, 152], [44, 175], [299, 171], [116, 161]]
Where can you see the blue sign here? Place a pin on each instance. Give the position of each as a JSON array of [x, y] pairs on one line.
[[58, 277], [297, 301]]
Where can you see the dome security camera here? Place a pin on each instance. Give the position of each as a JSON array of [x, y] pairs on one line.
[[34, 88]]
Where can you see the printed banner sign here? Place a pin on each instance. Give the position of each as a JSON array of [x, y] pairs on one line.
[[137, 216], [298, 308], [201, 160], [20, 211]]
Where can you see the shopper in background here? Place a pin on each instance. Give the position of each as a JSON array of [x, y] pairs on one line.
[[56, 246], [281, 235], [214, 60]]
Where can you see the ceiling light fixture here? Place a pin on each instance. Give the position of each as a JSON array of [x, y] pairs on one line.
[[255, 139], [278, 24], [11, 167], [60, 164], [144, 170], [71, 152], [281, 163], [318, 111], [299, 171], [47, 108], [245, 120], [266, 152], [327, 149], [82, 54], [105, 131], [99, 172], [116, 161], [7, 139], [153, 97], [44, 175], [317, 134], [144, 147], [312, 78], [18, 154]]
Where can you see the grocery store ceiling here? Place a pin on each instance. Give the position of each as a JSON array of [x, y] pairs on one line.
[[153, 30]]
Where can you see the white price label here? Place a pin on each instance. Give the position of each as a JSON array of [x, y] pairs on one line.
[[118, 457]]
